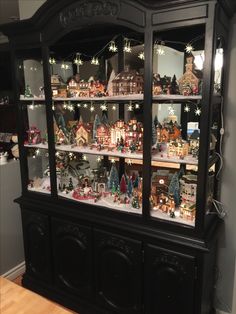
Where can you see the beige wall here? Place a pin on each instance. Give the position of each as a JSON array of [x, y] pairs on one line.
[[226, 285], [28, 7]]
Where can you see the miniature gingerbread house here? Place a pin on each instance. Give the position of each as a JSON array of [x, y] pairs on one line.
[[189, 83], [127, 82], [169, 131]]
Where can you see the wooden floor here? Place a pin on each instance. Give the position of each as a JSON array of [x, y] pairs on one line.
[[15, 299]]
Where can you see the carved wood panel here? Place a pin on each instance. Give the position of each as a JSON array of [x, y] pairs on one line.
[[169, 282], [37, 245], [72, 257], [118, 272]]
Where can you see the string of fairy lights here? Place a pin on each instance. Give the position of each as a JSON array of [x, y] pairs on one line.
[[128, 43]]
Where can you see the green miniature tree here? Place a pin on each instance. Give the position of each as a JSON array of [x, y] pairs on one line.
[[130, 187], [28, 92], [174, 188], [135, 202], [113, 178]]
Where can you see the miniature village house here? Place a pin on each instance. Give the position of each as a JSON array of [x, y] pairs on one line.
[[169, 131], [117, 131], [59, 88], [134, 133], [177, 148], [188, 189], [189, 83], [127, 82], [83, 134], [103, 135]]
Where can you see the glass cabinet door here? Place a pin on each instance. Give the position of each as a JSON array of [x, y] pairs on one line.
[[34, 123], [178, 67], [97, 91]]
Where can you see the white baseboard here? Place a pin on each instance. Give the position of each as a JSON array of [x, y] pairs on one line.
[[15, 272]]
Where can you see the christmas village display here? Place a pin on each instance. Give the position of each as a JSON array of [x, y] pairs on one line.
[[127, 82]]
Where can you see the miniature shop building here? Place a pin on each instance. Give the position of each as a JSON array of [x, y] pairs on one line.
[[188, 188], [127, 82], [169, 131], [188, 212]]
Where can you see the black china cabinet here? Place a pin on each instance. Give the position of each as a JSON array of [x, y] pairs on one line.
[[119, 118]]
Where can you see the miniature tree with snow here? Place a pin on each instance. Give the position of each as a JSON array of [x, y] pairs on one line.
[[104, 119], [123, 187], [95, 125], [174, 88], [156, 122], [174, 188], [113, 178], [70, 185]]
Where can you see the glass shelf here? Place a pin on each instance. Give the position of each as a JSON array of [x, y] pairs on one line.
[[137, 97]]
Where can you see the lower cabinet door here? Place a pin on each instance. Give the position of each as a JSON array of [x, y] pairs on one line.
[[169, 282], [37, 245], [72, 257], [118, 263]]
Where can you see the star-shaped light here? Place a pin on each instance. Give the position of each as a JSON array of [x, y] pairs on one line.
[[95, 61], [78, 105], [99, 159], [84, 157], [141, 55], [137, 106], [186, 108], [103, 107], [92, 108], [70, 108], [114, 107], [31, 107], [37, 152], [171, 111], [130, 107], [53, 107], [129, 162], [65, 106], [112, 46], [159, 49], [52, 61], [197, 111], [78, 60], [189, 48], [113, 161], [127, 46], [85, 105]]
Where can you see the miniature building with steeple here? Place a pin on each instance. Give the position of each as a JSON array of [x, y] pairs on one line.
[[189, 83]]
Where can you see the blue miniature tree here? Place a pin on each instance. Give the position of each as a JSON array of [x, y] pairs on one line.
[[174, 188], [130, 187], [113, 178], [136, 182]]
